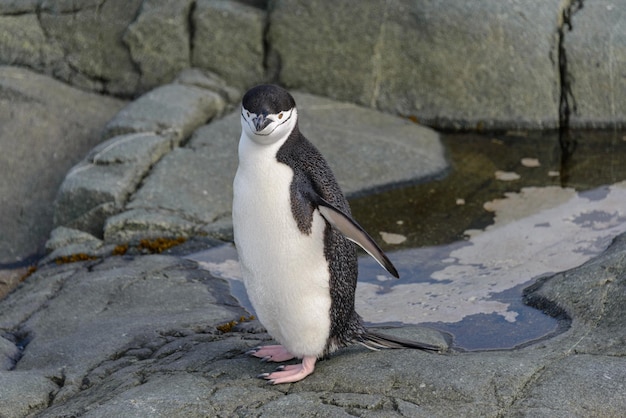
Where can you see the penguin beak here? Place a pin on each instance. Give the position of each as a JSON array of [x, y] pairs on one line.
[[260, 122]]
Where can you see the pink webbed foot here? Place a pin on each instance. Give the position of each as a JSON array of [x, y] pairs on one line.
[[291, 373], [275, 353]]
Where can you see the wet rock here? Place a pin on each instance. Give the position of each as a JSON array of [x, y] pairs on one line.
[[228, 40], [47, 127], [441, 63], [595, 58], [593, 295], [159, 41]]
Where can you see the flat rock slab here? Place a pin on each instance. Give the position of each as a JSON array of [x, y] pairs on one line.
[[138, 336]]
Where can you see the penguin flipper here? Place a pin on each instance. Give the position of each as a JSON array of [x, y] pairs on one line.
[[355, 233]]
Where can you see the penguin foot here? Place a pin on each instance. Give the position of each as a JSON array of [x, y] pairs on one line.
[[274, 353], [292, 372]]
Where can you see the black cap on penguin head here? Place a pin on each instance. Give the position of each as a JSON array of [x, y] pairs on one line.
[[267, 99]]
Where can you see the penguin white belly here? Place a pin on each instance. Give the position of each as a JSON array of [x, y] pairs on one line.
[[284, 270]]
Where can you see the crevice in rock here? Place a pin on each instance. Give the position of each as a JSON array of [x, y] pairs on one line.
[[135, 65], [377, 57], [567, 101], [60, 382], [21, 338], [191, 31], [271, 59]]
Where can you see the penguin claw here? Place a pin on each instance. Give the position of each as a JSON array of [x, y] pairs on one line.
[[280, 368], [291, 373], [273, 353], [262, 376]]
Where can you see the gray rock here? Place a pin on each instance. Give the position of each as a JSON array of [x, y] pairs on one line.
[[577, 386], [137, 224], [9, 353], [172, 108], [228, 40], [454, 65], [62, 237], [47, 127], [159, 41], [600, 309], [24, 393], [440, 64], [595, 51], [101, 184], [90, 34], [24, 42], [210, 81], [194, 183], [113, 309], [369, 150], [146, 130], [137, 336], [67, 244], [91, 191], [12, 7]]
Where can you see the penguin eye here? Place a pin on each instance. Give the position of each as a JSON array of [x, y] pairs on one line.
[[280, 115]]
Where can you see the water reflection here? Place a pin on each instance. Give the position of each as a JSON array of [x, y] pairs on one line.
[[506, 214]]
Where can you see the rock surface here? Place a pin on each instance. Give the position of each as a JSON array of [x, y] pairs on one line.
[[595, 53], [143, 185], [143, 335], [137, 336], [458, 65], [462, 65], [46, 128]]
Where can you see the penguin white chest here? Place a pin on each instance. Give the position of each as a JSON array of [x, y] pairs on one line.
[[285, 271]]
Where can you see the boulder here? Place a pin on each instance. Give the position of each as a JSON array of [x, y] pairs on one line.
[[90, 34], [228, 39], [159, 41], [461, 65], [595, 59], [47, 127]]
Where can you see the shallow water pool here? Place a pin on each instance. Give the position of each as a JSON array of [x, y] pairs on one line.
[[513, 207]]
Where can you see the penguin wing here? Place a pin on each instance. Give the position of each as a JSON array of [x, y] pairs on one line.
[[355, 233]]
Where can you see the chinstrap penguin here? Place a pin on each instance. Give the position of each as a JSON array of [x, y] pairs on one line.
[[293, 231]]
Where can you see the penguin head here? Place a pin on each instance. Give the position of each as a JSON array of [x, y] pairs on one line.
[[268, 114]]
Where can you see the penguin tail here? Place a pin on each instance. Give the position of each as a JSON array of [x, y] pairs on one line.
[[377, 341]]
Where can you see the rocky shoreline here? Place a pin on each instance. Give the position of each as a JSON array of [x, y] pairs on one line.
[[136, 147], [122, 332]]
